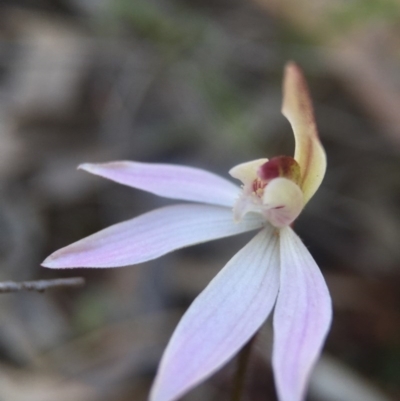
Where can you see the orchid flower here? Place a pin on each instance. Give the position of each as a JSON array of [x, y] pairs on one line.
[[273, 269]]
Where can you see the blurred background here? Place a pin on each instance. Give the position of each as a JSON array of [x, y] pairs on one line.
[[195, 83]]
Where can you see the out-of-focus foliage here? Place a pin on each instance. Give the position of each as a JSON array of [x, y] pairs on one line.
[[348, 14]]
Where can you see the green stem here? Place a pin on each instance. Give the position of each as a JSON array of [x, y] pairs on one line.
[[240, 374]]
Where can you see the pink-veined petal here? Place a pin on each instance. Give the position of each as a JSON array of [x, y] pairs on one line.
[[222, 318], [298, 109], [302, 318], [151, 235], [169, 181]]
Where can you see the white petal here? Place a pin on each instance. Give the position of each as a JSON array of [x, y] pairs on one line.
[[246, 203], [151, 235], [302, 318], [222, 318], [170, 181]]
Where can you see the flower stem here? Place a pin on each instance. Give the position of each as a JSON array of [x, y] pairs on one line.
[[242, 365]]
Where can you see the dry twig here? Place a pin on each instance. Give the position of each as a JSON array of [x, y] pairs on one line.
[[41, 285]]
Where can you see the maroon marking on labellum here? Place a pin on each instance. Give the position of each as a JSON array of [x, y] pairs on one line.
[[280, 166], [258, 184]]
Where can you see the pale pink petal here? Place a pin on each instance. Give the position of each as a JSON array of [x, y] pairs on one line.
[[222, 318], [298, 109], [302, 317], [151, 235], [170, 181]]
